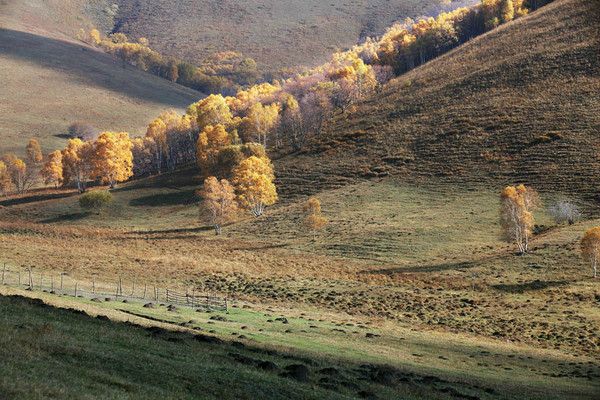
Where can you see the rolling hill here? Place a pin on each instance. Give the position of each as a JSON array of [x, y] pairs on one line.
[[520, 103], [275, 33], [50, 81]]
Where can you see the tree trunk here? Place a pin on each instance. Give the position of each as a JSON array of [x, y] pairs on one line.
[[217, 229]]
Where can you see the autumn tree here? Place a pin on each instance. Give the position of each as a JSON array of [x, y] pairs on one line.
[[212, 110], [590, 248], [5, 179], [52, 171], [260, 121], [314, 219], [219, 204], [34, 152], [253, 180], [78, 163], [518, 203], [157, 131], [113, 161], [210, 142], [17, 170]]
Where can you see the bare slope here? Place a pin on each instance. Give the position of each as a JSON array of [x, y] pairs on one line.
[[50, 81], [519, 103], [276, 33]]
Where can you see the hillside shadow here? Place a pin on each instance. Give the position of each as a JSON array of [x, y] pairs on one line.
[[529, 286], [184, 197], [425, 268], [91, 68], [34, 198], [65, 218]]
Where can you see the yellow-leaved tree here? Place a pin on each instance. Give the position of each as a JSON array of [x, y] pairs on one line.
[[78, 163], [113, 161], [590, 248], [17, 170], [34, 152], [253, 180], [157, 131], [212, 139], [219, 204], [212, 110], [260, 121], [314, 219], [52, 171], [518, 203], [5, 181]]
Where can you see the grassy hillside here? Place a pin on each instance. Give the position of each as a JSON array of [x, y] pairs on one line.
[[517, 104], [275, 33], [50, 81]]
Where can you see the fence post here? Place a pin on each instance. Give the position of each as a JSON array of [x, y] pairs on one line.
[[62, 274], [3, 272], [75, 289], [30, 280], [120, 288]]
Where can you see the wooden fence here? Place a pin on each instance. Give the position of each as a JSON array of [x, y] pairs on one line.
[[65, 284]]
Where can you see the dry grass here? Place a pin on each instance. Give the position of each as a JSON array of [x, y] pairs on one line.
[[517, 104]]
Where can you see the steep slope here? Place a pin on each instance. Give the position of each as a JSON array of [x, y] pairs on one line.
[[276, 33], [521, 103], [50, 81]]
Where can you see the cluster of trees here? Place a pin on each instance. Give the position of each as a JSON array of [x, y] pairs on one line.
[[517, 220], [108, 159], [251, 189], [18, 175], [224, 72]]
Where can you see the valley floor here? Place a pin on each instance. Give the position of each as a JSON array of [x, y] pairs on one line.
[[420, 266]]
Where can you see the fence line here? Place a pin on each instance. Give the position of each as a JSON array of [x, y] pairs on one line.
[[64, 284]]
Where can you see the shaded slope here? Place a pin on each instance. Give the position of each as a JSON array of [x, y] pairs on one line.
[[49, 83], [520, 103]]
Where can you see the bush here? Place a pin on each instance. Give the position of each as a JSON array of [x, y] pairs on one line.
[[95, 201]]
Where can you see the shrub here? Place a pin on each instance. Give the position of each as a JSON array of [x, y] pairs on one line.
[[95, 201]]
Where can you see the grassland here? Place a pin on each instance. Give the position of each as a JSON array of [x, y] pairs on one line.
[[423, 255], [50, 81]]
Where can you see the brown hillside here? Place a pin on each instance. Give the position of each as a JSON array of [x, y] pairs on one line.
[[276, 33], [521, 103]]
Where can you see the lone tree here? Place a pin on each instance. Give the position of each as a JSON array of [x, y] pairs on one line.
[[564, 211], [218, 202], [95, 200], [314, 219], [590, 248], [253, 180], [516, 215]]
